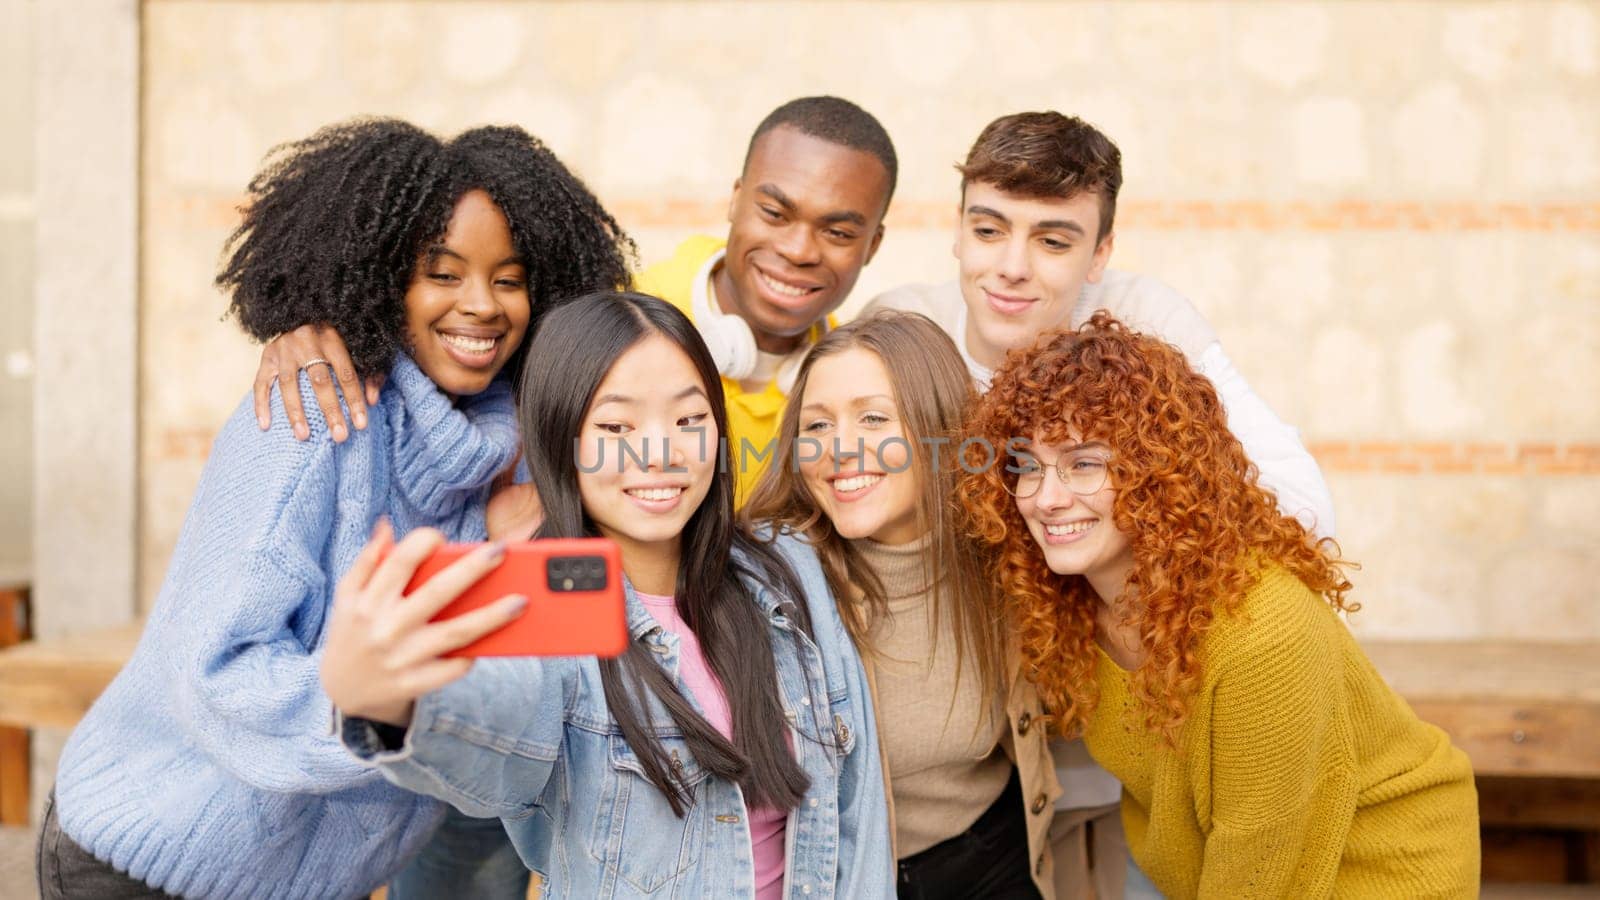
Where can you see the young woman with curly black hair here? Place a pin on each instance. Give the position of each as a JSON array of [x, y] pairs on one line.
[[207, 768]]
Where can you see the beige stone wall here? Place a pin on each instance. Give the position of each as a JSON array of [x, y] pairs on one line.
[[86, 313], [1391, 211], [16, 289], [84, 114]]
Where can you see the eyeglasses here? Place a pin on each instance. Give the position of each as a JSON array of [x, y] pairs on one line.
[[1082, 473]]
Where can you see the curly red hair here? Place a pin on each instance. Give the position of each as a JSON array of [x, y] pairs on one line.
[[1187, 497]]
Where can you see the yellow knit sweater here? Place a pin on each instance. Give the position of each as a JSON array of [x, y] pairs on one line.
[[1298, 772]]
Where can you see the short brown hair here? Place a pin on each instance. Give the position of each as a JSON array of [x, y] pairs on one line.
[[1047, 155]]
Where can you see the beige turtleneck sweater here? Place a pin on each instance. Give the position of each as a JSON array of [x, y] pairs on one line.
[[945, 766]]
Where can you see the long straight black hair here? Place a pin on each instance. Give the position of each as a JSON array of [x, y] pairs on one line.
[[573, 348]]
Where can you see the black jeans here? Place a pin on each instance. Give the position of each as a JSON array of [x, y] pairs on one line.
[[66, 871], [989, 860]]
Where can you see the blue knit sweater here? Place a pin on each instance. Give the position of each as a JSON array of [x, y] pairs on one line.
[[208, 767]]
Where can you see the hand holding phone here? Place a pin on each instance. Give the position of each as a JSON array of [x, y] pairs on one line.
[[575, 601], [408, 616], [380, 651]]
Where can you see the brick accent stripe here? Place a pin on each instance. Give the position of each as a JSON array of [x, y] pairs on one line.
[[214, 211], [1457, 458], [1205, 215], [1360, 215], [1376, 457]]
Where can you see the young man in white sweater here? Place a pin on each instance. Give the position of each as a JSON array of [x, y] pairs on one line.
[[1038, 201]]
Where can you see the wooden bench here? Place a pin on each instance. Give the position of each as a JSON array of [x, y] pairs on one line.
[[15, 756], [1517, 708], [1528, 715], [51, 683]]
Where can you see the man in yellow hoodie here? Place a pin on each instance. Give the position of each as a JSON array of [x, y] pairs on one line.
[[805, 216]]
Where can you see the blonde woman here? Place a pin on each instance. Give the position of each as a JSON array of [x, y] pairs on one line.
[[865, 471]]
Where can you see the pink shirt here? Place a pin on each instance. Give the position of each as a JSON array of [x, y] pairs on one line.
[[766, 825]]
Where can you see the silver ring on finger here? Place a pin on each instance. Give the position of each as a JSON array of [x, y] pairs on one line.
[[319, 361]]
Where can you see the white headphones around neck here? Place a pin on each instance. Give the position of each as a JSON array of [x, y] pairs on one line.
[[730, 340]]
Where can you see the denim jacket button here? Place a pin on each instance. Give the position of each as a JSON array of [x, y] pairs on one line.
[[805, 701], [841, 730]]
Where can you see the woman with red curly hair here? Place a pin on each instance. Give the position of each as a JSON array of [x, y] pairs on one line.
[[1189, 631]]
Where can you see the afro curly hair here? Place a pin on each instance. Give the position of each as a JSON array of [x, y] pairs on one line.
[[335, 224]]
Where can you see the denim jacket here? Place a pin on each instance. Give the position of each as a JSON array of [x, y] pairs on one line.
[[532, 741]]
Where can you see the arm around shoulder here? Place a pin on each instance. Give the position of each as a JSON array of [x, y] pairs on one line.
[[1286, 467], [1151, 306]]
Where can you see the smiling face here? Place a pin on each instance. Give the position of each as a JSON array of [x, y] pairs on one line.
[[467, 306], [647, 447], [805, 217], [857, 461], [1074, 530], [1024, 261]]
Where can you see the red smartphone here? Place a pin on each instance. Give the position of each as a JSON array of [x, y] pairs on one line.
[[574, 590]]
